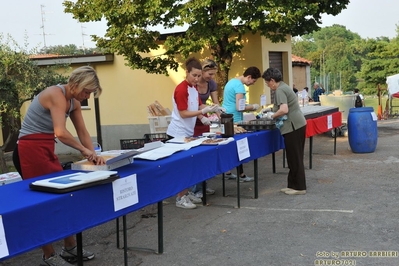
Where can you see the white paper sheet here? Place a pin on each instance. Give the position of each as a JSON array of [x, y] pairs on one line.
[[164, 151], [374, 116], [3, 242], [263, 99], [329, 122], [125, 192], [243, 149], [241, 104]]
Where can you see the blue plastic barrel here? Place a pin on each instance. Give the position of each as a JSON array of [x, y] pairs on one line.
[[362, 130]]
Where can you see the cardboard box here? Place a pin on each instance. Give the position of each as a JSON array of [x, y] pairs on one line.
[[114, 159], [159, 124]]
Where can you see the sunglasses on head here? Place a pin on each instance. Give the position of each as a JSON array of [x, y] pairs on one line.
[[210, 65]]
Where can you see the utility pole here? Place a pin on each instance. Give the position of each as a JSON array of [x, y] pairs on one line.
[[324, 71], [42, 27], [83, 38], [340, 88], [321, 68]]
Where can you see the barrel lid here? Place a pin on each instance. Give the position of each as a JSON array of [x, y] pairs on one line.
[[361, 109]]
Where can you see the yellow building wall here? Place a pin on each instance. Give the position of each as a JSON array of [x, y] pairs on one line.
[[127, 93], [249, 56], [285, 49]]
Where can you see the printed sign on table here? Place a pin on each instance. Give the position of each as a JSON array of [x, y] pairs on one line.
[[125, 192], [329, 122], [3, 242], [243, 149]]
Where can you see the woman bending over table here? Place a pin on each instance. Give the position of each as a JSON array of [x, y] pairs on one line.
[[46, 119]]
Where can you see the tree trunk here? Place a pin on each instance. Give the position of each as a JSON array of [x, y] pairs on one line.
[[14, 125], [223, 59], [3, 162]]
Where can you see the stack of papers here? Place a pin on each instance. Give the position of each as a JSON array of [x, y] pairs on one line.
[[178, 144], [167, 149]]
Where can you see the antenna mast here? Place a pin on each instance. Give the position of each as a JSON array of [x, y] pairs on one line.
[[83, 37], [42, 26]]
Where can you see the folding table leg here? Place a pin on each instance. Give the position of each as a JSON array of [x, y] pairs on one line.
[[238, 187], [283, 158], [223, 185], [204, 193], [335, 141], [310, 152], [160, 227], [79, 247], [117, 233], [274, 162], [256, 181], [124, 240]]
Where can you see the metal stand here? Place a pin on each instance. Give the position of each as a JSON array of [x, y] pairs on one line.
[[204, 193], [79, 247]]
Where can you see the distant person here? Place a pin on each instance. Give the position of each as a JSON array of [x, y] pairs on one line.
[[317, 92], [359, 99], [307, 91], [295, 89], [322, 88]]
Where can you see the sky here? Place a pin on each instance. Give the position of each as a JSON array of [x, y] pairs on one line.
[[43, 22]]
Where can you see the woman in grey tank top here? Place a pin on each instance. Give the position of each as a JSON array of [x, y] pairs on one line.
[[45, 119]]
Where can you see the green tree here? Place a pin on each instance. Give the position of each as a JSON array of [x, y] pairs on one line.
[[380, 58], [20, 80], [211, 24], [331, 50]]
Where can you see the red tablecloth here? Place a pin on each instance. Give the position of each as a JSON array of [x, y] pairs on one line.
[[323, 124]]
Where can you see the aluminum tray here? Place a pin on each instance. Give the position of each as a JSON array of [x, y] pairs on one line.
[[257, 124]]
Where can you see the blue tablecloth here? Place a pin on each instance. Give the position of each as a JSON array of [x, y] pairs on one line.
[[32, 219]]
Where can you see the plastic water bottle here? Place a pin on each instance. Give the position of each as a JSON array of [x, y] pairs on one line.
[[300, 102], [97, 148], [306, 101]]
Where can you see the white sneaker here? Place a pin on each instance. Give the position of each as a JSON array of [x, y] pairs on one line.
[[198, 195], [185, 203], [55, 260], [230, 176], [194, 199], [246, 179], [210, 191], [295, 192]]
